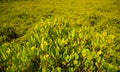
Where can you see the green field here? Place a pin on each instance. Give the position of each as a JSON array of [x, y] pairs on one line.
[[59, 36]]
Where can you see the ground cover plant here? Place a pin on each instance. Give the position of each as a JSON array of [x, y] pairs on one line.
[[59, 36]]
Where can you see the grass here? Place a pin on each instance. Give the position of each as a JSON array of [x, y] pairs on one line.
[[60, 36]]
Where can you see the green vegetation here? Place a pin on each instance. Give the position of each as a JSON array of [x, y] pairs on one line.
[[59, 36]]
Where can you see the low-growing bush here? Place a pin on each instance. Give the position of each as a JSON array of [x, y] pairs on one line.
[[56, 46]]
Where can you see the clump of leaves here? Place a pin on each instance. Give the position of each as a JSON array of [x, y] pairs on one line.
[[53, 45]]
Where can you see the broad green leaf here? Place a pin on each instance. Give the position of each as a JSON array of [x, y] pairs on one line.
[[84, 52]]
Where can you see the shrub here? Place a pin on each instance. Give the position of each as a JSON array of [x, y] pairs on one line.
[[57, 46]]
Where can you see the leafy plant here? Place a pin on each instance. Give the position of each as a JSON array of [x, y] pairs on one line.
[[59, 36]]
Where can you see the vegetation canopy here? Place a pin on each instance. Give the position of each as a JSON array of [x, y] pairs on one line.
[[59, 36]]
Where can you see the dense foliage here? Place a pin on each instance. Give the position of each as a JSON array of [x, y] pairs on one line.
[[73, 36]]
